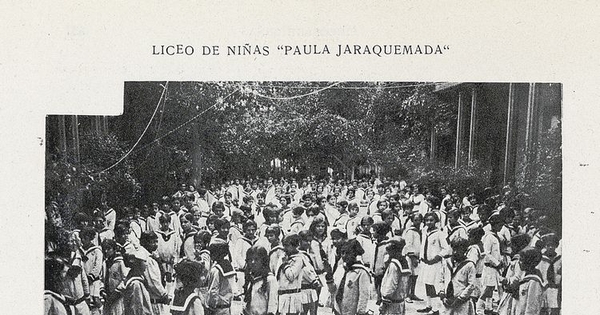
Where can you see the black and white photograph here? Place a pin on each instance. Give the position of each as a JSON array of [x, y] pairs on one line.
[[308, 197]]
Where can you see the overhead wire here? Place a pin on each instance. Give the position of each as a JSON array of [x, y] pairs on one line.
[[295, 96], [162, 95], [340, 87], [187, 122], [334, 85]]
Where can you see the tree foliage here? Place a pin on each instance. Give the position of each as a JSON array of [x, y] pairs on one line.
[[237, 128], [542, 180], [79, 186]]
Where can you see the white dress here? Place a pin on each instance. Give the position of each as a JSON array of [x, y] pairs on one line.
[[433, 244]]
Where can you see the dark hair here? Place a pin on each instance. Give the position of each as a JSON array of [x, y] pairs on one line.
[[519, 241], [87, 233], [454, 213], [433, 215], [99, 215], [292, 239], [507, 212], [261, 256], [320, 199], [353, 205], [466, 209], [475, 235], [313, 209], [268, 211], [353, 246], [121, 229], [189, 272], [338, 233], [273, 229], [386, 214], [460, 244], [80, 217], [220, 223], [299, 210], [286, 197], [203, 236], [381, 228], [381, 202], [249, 223], [147, 237], [245, 208], [550, 239], [164, 219], [188, 216], [52, 274], [366, 220], [218, 205], [305, 235], [313, 226], [395, 247], [495, 218], [108, 243], [530, 257], [211, 219], [218, 251]]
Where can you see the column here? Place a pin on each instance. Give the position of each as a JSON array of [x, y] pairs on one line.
[[432, 150], [530, 126], [473, 125], [459, 128], [508, 157], [97, 125], [75, 129], [62, 134], [105, 123]]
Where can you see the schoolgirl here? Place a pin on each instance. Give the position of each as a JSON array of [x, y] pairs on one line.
[[352, 294], [412, 251], [377, 265], [394, 285], [531, 288], [186, 300], [512, 277], [457, 297], [115, 273], [92, 266], [55, 303], [434, 248], [75, 284], [219, 294], [136, 298], [353, 220], [492, 262], [169, 244], [261, 297], [153, 276], [276, 251], [289, 277], [310, 280], [187, 250]]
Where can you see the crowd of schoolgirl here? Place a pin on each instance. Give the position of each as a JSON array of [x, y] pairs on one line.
[[288, 248]]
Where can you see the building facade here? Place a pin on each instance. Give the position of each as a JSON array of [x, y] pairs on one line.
[[498, 125]]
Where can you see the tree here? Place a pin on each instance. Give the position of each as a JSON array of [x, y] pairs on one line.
[[79, 186]]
